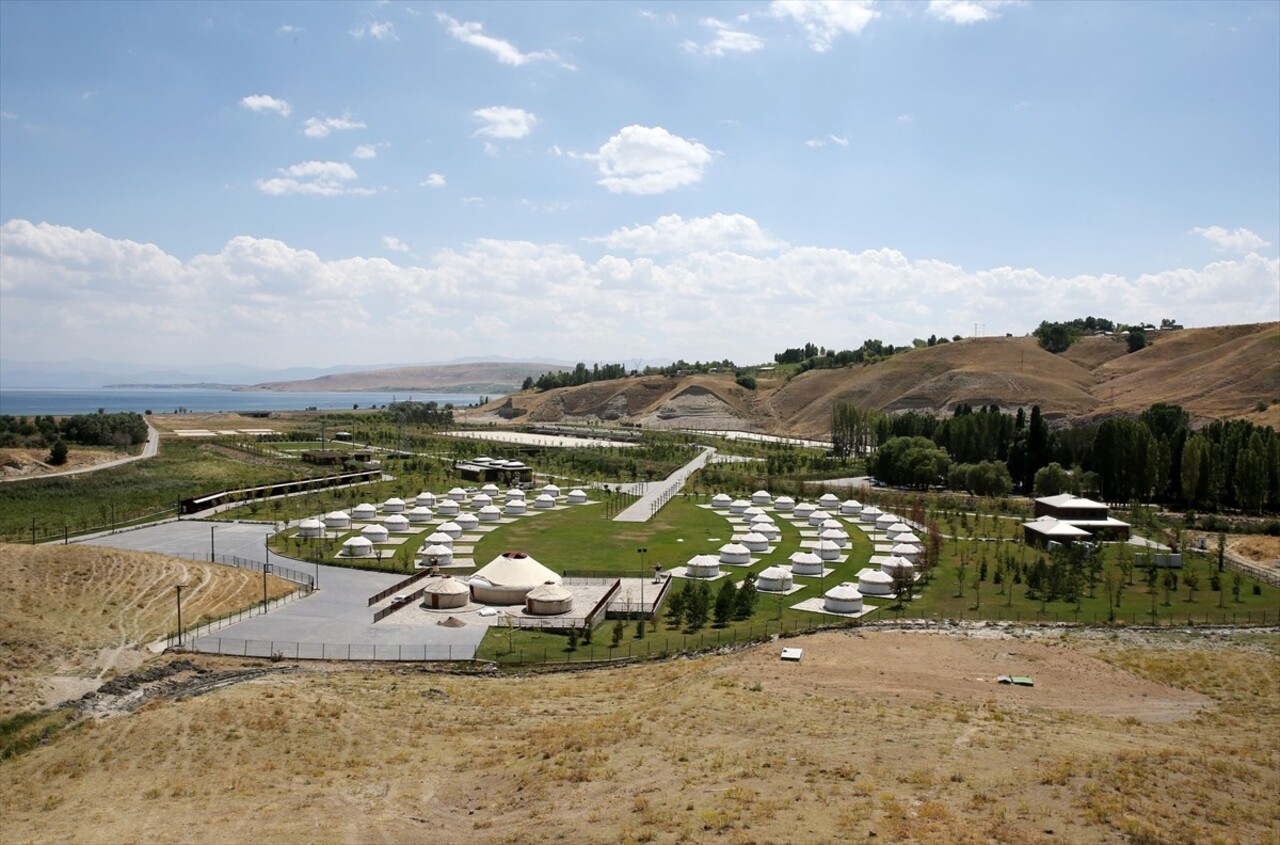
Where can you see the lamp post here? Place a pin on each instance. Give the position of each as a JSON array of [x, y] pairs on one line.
[[266, 567], [179, 587], [211, 548], [642, 552]]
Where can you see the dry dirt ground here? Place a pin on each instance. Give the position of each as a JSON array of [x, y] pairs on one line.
[[1259, 548], [878, 736], [73, 616], [33, 463]]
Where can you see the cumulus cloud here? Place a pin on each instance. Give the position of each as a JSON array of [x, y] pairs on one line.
[[266, 102], [433, 180], [1241, 240], [377, 30], [470, 32], [366, 151], [649, 160], [673, 234], [288, 29], [322, 127], [504, 122], [826, 20], [724, 40], [393, 243], [318, 178], [968, 11]]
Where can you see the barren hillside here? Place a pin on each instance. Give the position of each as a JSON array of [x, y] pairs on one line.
[[491, 377]]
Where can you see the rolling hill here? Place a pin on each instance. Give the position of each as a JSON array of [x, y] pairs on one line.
[[486, 377]]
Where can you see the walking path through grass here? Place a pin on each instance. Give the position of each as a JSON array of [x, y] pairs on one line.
[[656, 494]]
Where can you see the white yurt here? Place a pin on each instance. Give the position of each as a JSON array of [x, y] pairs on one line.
[[897, 530], [489, 513], [453, 529], [909, 551], [311, 527], [577, 497], [420, 515], [337, 519], [818, 517], [515, 507], [467, 521], [357, 547], [784, 503], [802, 510], [374, 533], [884, 520], [551, 490], [869, 514], [751, 512], [826, 550], [737, 506], [448, 507], [829, 501], [702, 566], [768, 529], [445, 593], [907, 538], [720, 501], [755, 541], [508, 578], [548, 599], [774, 579], [851, 507], [439, 538], [491, 490], [515, 494], [761, 497], [396, 522], [435, 554], [364, 511], [761, 519], [425, 500], [393, 505], [806, 563], [842, 598], [836, 535], [831, 523], [481, 500], [545, 501], [894, 566], [457, 494], [735, 553], [873, 582]]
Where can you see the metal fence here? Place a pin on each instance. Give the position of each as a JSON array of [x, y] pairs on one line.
[[200, 629], [284, 650]]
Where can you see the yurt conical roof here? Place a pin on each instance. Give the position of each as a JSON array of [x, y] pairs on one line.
[[843, 592], [549, 592], [774, 573], [805, 557], [445, 585], [516, 569], [734, 549], [311, 523]]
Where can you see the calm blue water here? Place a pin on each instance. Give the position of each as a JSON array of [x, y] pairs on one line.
[[28, 401]]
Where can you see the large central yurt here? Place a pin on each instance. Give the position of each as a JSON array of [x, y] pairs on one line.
[[548, 599], [842, 598], [508, 578], [445, 593], [774, 579]]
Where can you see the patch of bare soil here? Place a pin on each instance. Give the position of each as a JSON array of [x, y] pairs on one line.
[[33, 463], [1259, 548]]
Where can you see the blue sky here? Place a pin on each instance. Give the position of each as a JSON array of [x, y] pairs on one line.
[[315, 184]]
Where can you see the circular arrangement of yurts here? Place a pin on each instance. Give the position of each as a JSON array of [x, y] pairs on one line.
[[884, 520], [548, 599], [337, 519], [735, 553], [508, 578], [737, 506], [467, 521], [761, 497], [453, 529], [393, 505], [425, 500], [516, 506], [850, 507], [818, 517], [577, 497], [806, 563], [490, 513], [435, 554], [842, 598], [836, 535], [784, 503], [515, 493], [439, 538], [869, 514], [374, 533], [908, 551], [702, 566], [311, 527], [897, 530], [551, 490], [873, 582], [720, 501], [491, 490], [895, 566], [755, 541], [357, 547], [396, 522], [457, 494], [802, 510], [826, 550], [773, 579], [448, 507], [481, 500], [768, 529], [420, 515], [829, 501], [364, 510], [545, 501], [445, 593]]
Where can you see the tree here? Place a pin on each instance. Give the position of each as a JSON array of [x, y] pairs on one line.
[[619, 629], [698, 605], [746, 380], [676, 605], [1191, 580], [1054, 337], [1137, 339], [1052, 480], [58, 453], [528, 383], [745, 599], [725, 602]]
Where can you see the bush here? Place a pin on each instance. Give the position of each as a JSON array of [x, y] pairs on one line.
[[747, 381]]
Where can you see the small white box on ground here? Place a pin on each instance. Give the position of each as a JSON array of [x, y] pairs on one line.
[[793, 654]]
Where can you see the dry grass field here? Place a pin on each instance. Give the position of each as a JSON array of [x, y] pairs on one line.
[[1127, 737], [73, 616]]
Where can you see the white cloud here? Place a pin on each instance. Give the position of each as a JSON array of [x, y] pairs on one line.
[[826, 20], [266, 102], [367, 151], [816, 143], [320, 127], [1241, 240], [673, 234], [837, 139], [649, 160], [470, 32], [288, 29], [726, 40], [393, 243], [504, 122], [318, 178], [377, 30], [8, 115], [433, 180], [968, 11]]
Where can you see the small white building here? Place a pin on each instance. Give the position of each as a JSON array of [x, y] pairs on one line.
[[768, 529], [755, 541], [908, 538], [784, 503], [702, 566], [551, 490], [393, 505], [818, 517], [884, 520], [906, 551], [425, 500], [311, 527], [721, 501], [831, 523], [851, 507], [735, 553], [453, 529], [835, 535], [577, 497], [827, 550], [761, 519], [774, 579], [481, 500], [337, 519], [842, 598], [895, 566], [439, 538], [435, 554], [870, 514], [549, 599], [457, 494], [357, 547], [515, 494], [445, 593], [751, 513], [396, 522], [491, 490], [515, 507], [829, 501], [364, 511], [545, 501], [897, 530], [803, 510], [761, 497], [873, 582], [448, 507], [806, 563], [737, 506], [467, 521], [374, 533], [420, 515], [489, 513]]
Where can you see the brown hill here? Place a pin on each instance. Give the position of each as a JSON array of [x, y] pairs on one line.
[[1219, 372], [489, 377]]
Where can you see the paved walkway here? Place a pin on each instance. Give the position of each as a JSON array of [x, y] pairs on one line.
[[653, 495], [149, 450]]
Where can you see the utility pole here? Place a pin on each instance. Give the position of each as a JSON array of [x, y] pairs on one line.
[[179, 587], [211, 548], [266, 567]]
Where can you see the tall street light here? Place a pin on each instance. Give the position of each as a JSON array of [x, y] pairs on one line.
[[642, 552], [179, 587], [266, 567]]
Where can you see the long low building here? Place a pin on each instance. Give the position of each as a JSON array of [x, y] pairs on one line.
[[1089, 517]]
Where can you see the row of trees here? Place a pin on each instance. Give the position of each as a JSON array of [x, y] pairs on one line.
[[429, 414], [120, 430], [572, 378], [693, 605]]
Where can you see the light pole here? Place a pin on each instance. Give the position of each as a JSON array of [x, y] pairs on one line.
[[211, 548], [179, 587], [266, 567], [642, 552]]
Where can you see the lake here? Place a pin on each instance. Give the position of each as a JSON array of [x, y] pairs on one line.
[[160, 400]]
